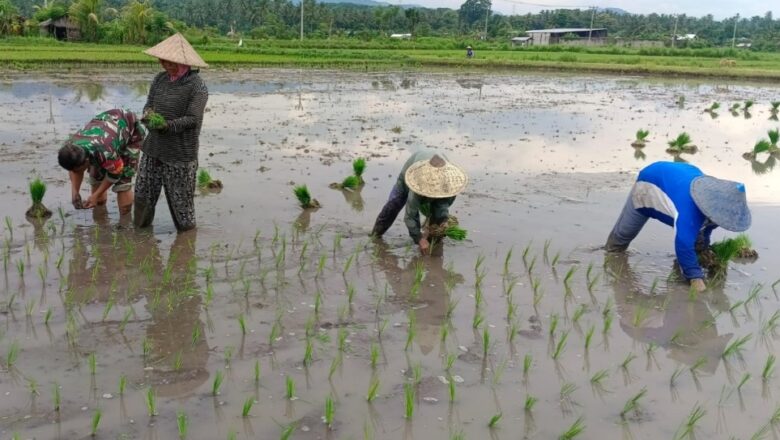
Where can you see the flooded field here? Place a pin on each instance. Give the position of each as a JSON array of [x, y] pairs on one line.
[[266, 315]]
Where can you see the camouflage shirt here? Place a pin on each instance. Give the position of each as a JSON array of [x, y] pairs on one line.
[[113, 141]]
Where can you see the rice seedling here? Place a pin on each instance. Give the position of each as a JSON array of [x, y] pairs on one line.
[[343, 334], [675, 375], [735, 347], [37, 191], [216, 384], [494, 420], [122, 384], [304, 197], [567, 278], [560, 345], [289, 388], [374, 354], [456, 233], [146, 347], [20, 268], [700, 362], [242, 323], [640, 315], [56, 397], [373, 389], [775, 106], [713, 107], [769, 367], [125, 319], [574, 430], [151, 402], [28, 308], [445, 332], [530, 401], [607, 324], [630, 357], [452, 389], [96, 421], [330, 411], [681, 144], [748, 105], [641, 138], [598, 378], [689, 425], [527, 363], [507, 261], [485, 342], [276, 333], [181, 423], [449, 361], [592, 283], [358, 168], [204, 178], [478, 319], [12, 355], [755, 289], [589, 336], [567, 389], [578, 313], [155, 121], [228, 355], [92, 362], [498, 371], [632, 404], [350, 182], [256, 372], [248, 403], [308, 354], [408, 401], [32, 384], [553, 324], [734, 107], [9, 225], [287, 432]]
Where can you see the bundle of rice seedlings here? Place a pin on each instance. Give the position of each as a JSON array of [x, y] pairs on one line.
[[304, 197], [641, 138], [358, 167], [155, 121], [449, 229], [456, 233], [729, 249], [351, 182], [681, 144], [762, 146], [206, 182], [37, 191]]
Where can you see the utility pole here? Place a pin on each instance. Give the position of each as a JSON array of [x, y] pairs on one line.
[[674, 33], [734, 37], [592, 17], [487, 14], [301, 20]]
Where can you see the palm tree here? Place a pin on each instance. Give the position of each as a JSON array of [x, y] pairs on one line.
[[86, 13], [8, 16], [136, 17]]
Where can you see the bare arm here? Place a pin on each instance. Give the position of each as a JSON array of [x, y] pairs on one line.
[[76, 177]]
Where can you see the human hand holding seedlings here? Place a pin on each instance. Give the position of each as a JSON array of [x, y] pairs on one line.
[[698, 284], [98, 195], [424, 245], [76, 177]]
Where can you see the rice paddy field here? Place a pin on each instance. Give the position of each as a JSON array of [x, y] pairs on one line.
[[269, 321]]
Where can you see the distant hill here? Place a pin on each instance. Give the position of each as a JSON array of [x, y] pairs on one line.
[[616, 11]]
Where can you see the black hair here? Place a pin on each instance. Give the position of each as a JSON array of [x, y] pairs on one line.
[[71, 156]]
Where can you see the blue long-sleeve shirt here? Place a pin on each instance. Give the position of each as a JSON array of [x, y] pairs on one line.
[[663, 192]]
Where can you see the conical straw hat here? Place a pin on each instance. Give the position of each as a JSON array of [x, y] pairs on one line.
[[435, 178], [177, 50], [722, 201]]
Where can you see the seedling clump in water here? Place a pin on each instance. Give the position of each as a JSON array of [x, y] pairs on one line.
[[720, 253], [681, 144], [641, 138], [304, 197], [358, 167], [206, 182], [37, 191]]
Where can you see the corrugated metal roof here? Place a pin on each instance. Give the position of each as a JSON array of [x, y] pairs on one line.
[[564, 30]]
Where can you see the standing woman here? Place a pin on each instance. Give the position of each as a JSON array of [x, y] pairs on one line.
[[170, 158]]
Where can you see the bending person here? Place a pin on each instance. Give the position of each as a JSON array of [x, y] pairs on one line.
[[170, 160], [694, 204], [109, 147], [427, 184]]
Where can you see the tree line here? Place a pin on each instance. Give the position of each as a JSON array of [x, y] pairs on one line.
[[145, 22]]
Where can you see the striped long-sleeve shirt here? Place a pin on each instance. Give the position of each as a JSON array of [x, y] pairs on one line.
[[181, 103]]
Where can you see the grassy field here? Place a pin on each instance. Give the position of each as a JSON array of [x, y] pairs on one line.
[[39, 53]]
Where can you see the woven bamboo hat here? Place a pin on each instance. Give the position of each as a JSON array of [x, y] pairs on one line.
[[177, 50], [722, 201], [435, 178]]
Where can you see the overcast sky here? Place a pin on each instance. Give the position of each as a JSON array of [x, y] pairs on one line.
[[719, 8]]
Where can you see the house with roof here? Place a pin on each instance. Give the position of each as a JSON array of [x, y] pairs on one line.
[[545, 37]]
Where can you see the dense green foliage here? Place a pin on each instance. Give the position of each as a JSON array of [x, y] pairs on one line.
[[144, 22]]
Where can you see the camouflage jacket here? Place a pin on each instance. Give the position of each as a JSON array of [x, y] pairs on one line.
[[113, 141]]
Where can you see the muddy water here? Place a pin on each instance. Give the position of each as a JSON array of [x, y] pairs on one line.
[[550, 164]]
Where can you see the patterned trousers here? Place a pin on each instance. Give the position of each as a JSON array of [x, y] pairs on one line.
[[395, 203], [179, 183]]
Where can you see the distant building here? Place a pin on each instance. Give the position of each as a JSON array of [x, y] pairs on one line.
[[62, 29], [686, 37], [575, 36], [401, 36], [521, 41]]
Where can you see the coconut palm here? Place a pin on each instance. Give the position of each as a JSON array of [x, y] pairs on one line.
[[86, 13], [8, 16], [136, 17]]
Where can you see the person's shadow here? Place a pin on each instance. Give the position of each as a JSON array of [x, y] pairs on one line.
[[431, 300], [667, 316]]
